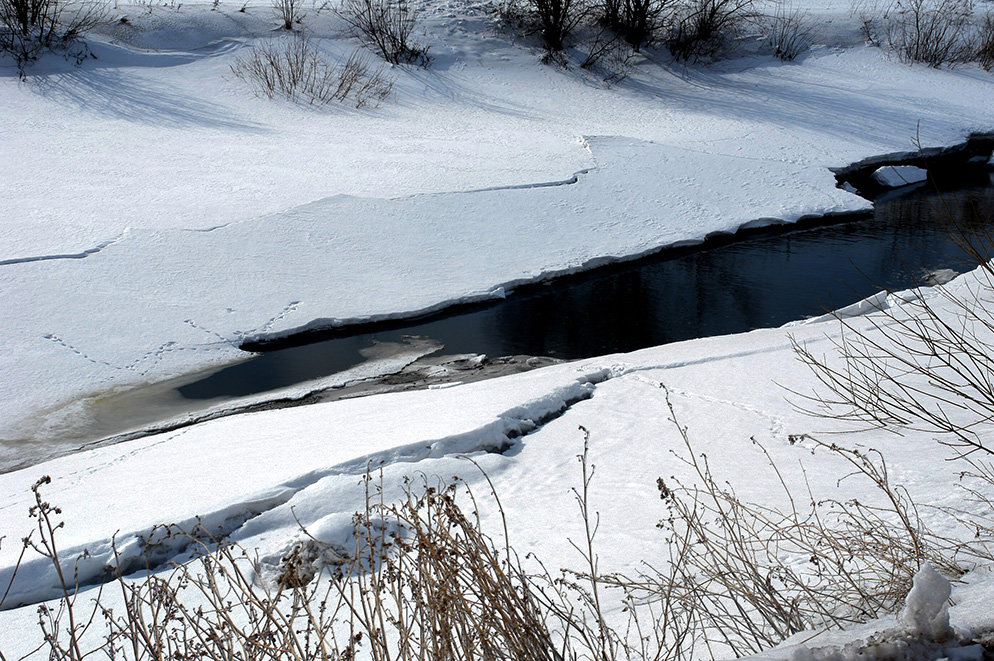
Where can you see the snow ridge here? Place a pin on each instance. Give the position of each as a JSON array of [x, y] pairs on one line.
[[156, 546]]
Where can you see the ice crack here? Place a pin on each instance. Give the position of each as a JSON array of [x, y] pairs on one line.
[[76, 255]]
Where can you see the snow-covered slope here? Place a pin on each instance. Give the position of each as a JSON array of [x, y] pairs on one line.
[[155, 212]]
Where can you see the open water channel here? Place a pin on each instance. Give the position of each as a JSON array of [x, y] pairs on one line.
[[730, 285], [767, 279]]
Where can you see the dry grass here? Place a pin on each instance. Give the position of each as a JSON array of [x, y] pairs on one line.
[[742, 577], [422, 582]]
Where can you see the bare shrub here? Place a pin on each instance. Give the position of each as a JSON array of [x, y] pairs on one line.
[[386, 26], [294, 69], [421, 581], [702, 28], [638, 22], [924, 365], [288, 12], [985, 43], [557, 19], [934, 32], [29, 28], [558, 22], [608, 56], [511, 15], [748, 576], [788, 33], [919, 367]]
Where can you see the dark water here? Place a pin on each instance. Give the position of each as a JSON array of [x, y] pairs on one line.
[[766, 280]]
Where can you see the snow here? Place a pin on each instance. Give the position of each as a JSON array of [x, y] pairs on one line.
[[920, 631], [895, 176], [484, 171], [258, 477], [926, 612], [188, 216]]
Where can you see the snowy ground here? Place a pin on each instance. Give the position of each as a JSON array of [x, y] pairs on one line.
[[121, 175], [155, 214], [259, 476]]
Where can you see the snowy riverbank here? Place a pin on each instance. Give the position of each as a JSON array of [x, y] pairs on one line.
[[156, 214], [258, 477], [163, 157]]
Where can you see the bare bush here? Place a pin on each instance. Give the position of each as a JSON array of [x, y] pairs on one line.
[[920, 366], [288, 12], [638, 22], [747, 576], [294, 69], [29, 28], [386, 26], [788, 33], [985, 43], [608, 56], [934, 32], [924, 365], [511, 15], [557, 19], [702, 28], [600, 31]]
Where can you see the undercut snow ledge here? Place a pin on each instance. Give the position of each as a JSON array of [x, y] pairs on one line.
[[222, 504]]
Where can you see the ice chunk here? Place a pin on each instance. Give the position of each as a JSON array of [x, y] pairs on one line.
[[893, 176], [939, 276]]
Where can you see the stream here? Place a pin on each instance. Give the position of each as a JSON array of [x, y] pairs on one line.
[[761, 278], [765, 280]]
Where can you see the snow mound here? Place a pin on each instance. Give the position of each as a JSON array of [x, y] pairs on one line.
[[926, 610]]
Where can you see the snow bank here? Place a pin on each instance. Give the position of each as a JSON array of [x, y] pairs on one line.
[[250, 466], [926, 613], [188, 215], [259, 477]]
